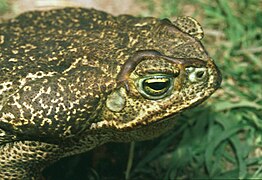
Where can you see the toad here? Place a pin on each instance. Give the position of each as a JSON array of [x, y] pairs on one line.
[[72, 79]]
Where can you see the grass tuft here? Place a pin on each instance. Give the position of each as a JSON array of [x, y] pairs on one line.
[[4, 6]]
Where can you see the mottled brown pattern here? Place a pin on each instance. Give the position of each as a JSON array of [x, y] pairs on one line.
[[72, 79]]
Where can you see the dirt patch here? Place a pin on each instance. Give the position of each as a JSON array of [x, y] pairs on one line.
[[134, 7]]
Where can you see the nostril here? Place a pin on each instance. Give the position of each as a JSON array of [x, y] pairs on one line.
[[200, 74], [196, 74]]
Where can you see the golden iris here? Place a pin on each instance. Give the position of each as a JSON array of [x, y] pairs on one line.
[[156, 86]]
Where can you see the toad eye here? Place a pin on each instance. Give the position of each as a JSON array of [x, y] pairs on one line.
[[155, 86]]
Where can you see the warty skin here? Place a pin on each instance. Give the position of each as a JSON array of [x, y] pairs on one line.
[[74, 78]]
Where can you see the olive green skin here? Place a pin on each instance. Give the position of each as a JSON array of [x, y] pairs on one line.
[[63, 70]]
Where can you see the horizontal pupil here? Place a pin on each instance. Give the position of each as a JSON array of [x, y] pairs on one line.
[[160, 85]]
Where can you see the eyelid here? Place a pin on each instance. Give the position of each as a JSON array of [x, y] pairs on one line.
[[164, 73], [155, 75], [158, 79]]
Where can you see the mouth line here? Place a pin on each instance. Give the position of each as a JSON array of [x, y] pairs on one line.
[[136, 124], [132, 125]]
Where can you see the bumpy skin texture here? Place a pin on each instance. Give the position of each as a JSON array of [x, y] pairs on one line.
[[72, 79]]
